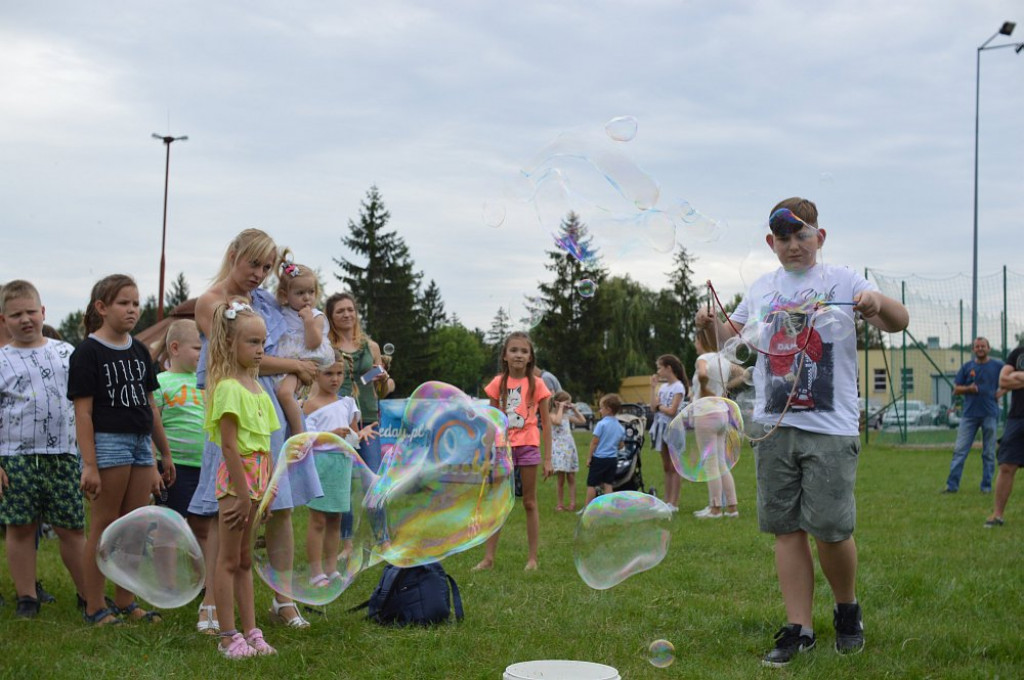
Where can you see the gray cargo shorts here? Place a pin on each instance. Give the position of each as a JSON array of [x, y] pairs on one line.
[[805, 481]]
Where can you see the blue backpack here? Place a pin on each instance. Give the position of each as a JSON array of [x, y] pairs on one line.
[[415, 595]]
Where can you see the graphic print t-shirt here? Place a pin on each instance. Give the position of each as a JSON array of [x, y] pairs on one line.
[[35, 414], [812, 347], [522, 416], [182, 409], [119, 380]]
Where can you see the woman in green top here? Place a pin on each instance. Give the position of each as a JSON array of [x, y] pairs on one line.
[[361, 354]]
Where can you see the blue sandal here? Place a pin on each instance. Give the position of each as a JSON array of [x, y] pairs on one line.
[[97, 618], [148, 616]]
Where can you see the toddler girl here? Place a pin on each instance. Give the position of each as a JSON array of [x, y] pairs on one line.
[[305, 333], [564, 456]]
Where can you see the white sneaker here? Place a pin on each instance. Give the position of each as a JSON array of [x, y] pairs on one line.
[[732, 514], [710, 515], [703, 512]]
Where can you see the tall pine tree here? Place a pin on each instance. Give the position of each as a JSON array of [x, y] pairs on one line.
[[386, 287], [569, 336]]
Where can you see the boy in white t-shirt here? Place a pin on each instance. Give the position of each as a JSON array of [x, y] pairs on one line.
[[807, 466], [39, 466]]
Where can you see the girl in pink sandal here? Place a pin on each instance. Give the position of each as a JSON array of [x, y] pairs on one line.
[[239, 418]]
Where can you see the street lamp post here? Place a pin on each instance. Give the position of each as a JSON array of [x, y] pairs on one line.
[[1005, 29], [167, 140]]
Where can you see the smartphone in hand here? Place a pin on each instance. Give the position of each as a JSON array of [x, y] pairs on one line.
[[368, 377]]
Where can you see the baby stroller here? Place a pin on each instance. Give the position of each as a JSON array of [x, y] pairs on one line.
[[628, 476]]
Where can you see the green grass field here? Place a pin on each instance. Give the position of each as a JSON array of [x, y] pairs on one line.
[[941, 595]]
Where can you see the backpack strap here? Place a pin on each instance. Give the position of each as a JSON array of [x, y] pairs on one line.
[[386, 587], [456, 597]]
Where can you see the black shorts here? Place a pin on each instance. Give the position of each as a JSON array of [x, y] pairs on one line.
[[179, 494], [602, 471], [1011, 446]]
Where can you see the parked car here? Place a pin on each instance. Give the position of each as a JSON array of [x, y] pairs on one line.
[[937, 414], [917, 414], [872, 417], [953, 415], [587, 412]]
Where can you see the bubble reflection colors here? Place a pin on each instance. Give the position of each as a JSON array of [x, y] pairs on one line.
[[661, 653], [620, 535], [292, 549], [587, 288], [152, 552], [446, 486], [387, 349], [717, 426]]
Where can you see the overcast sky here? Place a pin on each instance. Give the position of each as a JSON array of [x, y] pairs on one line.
[[293, 110]]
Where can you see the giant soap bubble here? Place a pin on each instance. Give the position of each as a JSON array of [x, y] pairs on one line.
[[619, 535], [446, 486], [294, 550], [152, 552], [717, 425]]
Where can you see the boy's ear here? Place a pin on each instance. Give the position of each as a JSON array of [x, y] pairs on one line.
[[770, 240], [821, 237]]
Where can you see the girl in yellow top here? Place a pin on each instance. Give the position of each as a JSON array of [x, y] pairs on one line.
[[239, 418]]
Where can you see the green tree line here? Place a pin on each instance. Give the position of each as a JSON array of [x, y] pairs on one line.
[[591, 342]]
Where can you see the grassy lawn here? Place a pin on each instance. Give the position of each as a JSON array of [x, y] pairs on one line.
[[942, 599]]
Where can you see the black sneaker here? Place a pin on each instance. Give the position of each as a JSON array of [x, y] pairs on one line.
[[788, 643], [28, 608], [43, 596], [849, 628]]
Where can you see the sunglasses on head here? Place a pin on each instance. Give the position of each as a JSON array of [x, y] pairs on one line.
[[784, 222]]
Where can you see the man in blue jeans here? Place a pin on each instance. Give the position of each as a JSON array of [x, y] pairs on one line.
[[978, 382]]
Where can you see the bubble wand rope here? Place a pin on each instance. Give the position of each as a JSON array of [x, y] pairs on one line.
[[799, 368], [738, 331]]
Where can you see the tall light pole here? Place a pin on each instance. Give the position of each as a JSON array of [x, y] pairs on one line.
[[167, 140], [1005, 29]]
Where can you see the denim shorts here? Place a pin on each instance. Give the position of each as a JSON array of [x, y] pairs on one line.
[[114, 449], [805, 481]]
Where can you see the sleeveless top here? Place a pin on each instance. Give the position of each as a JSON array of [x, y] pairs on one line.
[[359, 362]]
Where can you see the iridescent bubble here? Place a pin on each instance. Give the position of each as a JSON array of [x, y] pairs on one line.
[[834, 321], [594, 175], [446, 486], [661, 653], [494, 213], [737, 351], [534, 313], [695, 226], [619, 535], [388, 349], [152, 552], [586, 288], [297, 553], [621, 128], [717, 426]]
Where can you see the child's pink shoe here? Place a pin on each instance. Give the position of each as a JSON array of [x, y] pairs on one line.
[[256, 642], [237, 647]]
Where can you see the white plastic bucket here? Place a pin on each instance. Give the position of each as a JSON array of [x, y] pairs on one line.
[[560, 670]]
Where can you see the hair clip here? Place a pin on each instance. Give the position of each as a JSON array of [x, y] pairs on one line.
[[291, 269], [234, 308]]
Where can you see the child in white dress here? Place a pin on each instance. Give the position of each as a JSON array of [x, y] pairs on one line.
[[565, 459]]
